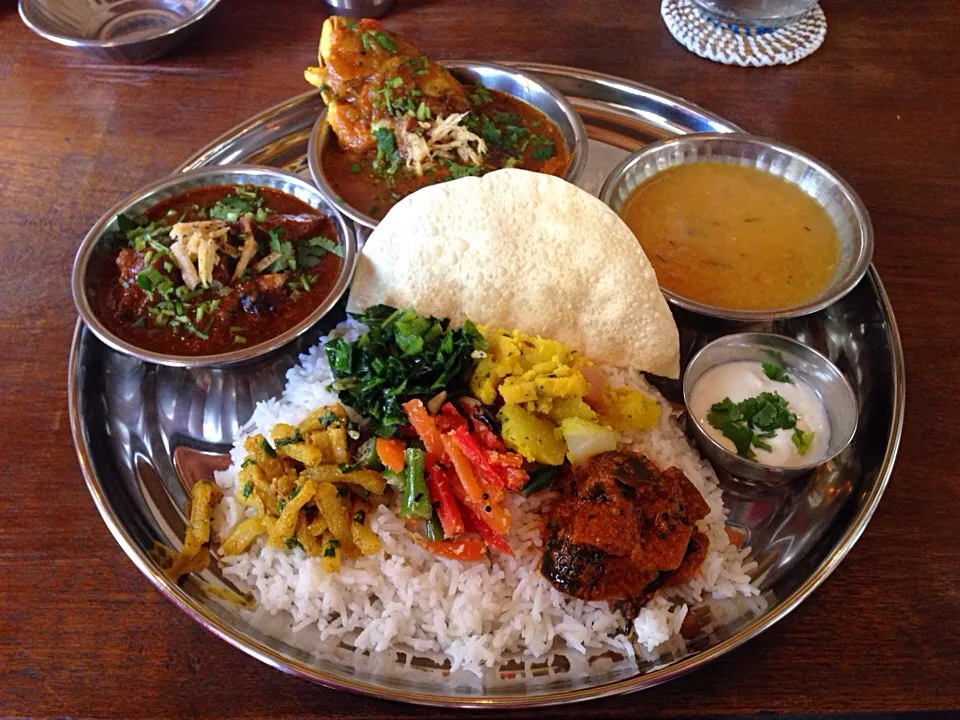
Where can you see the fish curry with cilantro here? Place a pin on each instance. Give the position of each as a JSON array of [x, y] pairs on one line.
[[403, 122], [216, 269]]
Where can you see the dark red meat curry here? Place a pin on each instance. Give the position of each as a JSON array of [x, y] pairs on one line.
[[216, 269], [622, 529]]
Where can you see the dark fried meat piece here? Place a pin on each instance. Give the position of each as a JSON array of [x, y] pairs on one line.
[[622, 528]]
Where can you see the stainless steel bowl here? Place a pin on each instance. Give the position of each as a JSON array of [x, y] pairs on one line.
[[90, 255], [507, 80], [844, 207], [125, 30], [801, 361]]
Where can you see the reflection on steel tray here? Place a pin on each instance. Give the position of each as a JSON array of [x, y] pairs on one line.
[[143, 432]]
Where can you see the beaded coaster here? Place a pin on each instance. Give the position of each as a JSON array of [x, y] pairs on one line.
[[739, 44]]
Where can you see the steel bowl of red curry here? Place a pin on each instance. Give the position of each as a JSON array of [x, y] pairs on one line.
[[213, 267], [523, 122]]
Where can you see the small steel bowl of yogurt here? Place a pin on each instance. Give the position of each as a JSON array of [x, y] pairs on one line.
[[768, 408]]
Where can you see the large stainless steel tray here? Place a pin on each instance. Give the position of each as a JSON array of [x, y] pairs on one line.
[[142, 431]]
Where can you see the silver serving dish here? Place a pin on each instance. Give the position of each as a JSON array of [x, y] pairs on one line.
[[125, 30], [802, 362], [510, 81], [846, 210], [87, 263], [143, 432]]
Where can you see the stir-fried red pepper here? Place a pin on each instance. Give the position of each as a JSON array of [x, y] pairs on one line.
[[444, 502]]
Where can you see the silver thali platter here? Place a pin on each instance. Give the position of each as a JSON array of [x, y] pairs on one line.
[[142, 430]]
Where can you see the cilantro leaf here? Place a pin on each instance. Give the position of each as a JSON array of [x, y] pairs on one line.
[[776, 367], [749, 423], [458, 171], [544, 150], [311, 251], [803, 440], [287, 259]]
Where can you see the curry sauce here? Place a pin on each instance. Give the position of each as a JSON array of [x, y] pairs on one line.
[[143, 295], [732, 236]]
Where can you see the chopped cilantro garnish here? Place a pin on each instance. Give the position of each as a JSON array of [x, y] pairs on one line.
[[395, 82], [312, 250], [355, 168], [247, 489], [480, 95], [244, 199], [803, 440], [331, 548], [750, 422], [775, 369], [248, 462], [139, 322], [287, 260], [458, 171], [359, 516], [544, 151]]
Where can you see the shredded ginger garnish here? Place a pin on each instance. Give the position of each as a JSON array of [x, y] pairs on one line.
[[198, 242], [443, 138]]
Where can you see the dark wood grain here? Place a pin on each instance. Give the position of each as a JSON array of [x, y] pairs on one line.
[[82, 633]]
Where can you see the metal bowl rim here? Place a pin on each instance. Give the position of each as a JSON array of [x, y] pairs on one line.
[[633, 684], [578, 153], [69, 41], [792, 470], [864, 250], [246, 354]]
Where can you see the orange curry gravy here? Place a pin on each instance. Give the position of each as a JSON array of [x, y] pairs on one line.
[[143, 296], [516, 135]]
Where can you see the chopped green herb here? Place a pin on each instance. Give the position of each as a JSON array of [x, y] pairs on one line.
[[287, 260], [458, 171], [480, 95], [310, 252], [544, 151], [803, 440], [330, 550], [775, 369], [395, 82], [355, 168], [748, 423], [247, 489], [295, 438], [239, 340], [359, 516], [139, 322], [265, 446], [248, 462], [365, 40]]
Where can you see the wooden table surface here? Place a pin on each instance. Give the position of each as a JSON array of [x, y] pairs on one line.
[[83, 633]]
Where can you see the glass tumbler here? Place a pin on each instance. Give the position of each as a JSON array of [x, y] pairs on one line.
[[756, 13]]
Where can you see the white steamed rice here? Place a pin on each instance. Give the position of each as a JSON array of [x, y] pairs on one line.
[[475, 615]]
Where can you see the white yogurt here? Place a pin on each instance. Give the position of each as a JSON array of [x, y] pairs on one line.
[[745, 379]]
